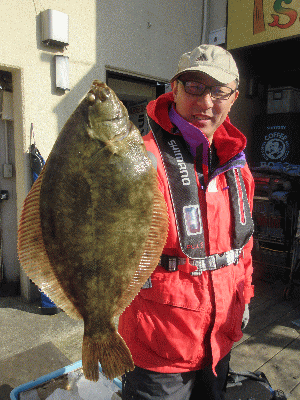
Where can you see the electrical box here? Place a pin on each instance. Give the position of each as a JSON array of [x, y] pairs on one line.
[[217, 37], [7, 171], [55, 28]]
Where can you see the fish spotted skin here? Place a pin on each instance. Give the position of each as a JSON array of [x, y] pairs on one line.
[[101, 225]]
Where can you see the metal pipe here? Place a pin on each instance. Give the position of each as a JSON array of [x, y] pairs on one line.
[[5, 141], [204, 21]]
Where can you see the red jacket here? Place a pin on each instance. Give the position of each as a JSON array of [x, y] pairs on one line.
[[185, 322]]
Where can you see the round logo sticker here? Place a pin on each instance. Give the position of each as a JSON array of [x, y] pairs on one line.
[[275, 148]]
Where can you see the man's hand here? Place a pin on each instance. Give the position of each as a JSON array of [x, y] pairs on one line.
[[246, 317]]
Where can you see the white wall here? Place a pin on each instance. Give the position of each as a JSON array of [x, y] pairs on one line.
[[139, 37], [135, 36]]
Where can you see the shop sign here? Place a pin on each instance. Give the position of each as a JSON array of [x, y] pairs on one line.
[[260, 21]]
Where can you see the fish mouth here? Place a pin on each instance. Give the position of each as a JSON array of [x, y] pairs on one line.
[[101, 93], [99, 90], [109, 112], [96, 82]]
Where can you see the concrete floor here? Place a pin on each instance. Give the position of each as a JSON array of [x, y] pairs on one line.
[[271, 341], [33, 344]]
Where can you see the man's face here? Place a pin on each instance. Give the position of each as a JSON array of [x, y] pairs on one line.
[[202, 111]]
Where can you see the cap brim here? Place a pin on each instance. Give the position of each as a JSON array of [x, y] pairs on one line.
[[215, 73]]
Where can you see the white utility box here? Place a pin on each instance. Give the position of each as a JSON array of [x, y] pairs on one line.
[[55, 28]]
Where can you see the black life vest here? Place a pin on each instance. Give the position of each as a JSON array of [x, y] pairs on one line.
[[179, 167]]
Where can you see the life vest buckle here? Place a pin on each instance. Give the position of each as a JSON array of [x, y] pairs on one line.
[[221, 260], [169, 263]]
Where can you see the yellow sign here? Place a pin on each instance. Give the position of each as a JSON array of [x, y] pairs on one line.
[[259, 21]]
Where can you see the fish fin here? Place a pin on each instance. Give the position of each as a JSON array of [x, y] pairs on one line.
[[112, 353], [152, 251], [33, 255]]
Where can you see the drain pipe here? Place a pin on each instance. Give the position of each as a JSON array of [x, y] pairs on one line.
[[204, 21]]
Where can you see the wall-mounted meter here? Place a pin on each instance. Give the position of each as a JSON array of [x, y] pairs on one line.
[[217, 37], [55, 28]]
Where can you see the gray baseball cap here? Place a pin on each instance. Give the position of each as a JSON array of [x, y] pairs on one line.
[[211, 60]]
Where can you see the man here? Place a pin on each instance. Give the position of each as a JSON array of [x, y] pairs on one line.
[[181, 327]]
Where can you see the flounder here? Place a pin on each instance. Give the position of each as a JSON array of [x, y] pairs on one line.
[[94, 225]]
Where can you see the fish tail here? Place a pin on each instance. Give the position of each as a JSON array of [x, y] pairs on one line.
[[112, 353]]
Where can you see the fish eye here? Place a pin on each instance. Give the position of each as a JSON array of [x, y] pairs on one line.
[[91, 97], [104, 93]]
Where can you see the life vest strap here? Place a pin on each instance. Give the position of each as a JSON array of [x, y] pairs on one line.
[[209, 263]]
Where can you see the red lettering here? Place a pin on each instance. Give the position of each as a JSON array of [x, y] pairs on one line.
[[198, 246]]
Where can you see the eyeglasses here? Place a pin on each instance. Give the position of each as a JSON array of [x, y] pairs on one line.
[[216, 92]]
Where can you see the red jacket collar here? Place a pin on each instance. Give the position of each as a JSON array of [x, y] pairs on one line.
[[158, 110], [228, 140]]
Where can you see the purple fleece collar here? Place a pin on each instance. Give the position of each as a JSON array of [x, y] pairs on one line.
[[191, 134]]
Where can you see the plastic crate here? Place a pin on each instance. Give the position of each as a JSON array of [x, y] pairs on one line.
[[283, 100], [14, 395], [270, 221]]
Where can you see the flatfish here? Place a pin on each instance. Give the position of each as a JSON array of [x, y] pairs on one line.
[[94, 224]]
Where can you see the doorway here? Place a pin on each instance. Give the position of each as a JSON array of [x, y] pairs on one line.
[[136, 93], [9, 264]]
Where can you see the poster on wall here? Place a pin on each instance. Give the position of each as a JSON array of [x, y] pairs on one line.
[[260, 21], [277, 142]]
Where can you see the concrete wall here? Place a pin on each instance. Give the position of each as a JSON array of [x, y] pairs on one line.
[[138, 37], [217, 14]]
